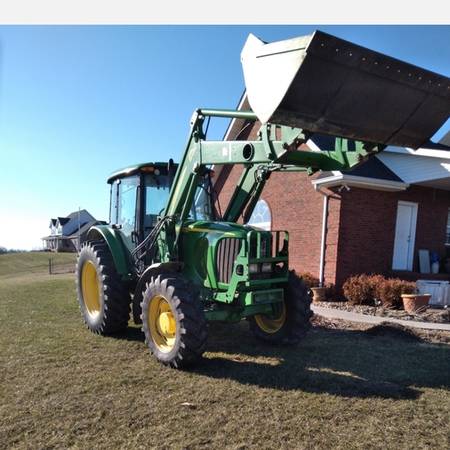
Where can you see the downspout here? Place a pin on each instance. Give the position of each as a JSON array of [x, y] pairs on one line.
[[323, 235]]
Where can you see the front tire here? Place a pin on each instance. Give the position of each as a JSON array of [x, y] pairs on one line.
[[103, 298], [173, 321], [291, 319]]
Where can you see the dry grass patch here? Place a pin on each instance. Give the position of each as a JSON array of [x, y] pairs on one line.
[[31, 263], [63, 387]]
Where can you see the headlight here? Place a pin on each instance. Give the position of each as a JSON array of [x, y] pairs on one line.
[[266, 267], [253, 268]]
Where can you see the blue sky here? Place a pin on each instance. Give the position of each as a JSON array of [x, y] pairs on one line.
[[78, 102]]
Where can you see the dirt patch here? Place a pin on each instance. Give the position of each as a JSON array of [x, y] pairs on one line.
[[393, 330]]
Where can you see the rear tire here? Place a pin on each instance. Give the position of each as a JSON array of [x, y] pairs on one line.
[[173, 321], [103, 297], [292, 320]]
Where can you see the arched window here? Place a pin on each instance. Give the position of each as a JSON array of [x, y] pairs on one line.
[[261, 217]]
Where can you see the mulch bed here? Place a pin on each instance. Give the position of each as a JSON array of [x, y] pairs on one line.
[[430, 315]]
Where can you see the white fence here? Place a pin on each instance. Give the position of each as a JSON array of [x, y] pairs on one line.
[[439, 290]]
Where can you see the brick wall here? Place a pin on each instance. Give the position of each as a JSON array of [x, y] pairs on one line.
[[367, 228]]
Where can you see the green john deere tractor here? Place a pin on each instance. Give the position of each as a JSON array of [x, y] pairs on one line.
[[179, 263]]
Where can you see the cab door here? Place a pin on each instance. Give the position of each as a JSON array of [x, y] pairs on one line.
[[124, 209]]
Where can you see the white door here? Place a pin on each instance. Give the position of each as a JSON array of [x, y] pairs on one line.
[[405, 236]]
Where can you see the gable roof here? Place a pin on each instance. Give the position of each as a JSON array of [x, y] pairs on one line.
[[86, 227], [74, 215], [85, 217], [373, 168], [63, 220]]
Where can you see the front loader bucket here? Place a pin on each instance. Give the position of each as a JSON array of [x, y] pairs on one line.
[[324, 84]]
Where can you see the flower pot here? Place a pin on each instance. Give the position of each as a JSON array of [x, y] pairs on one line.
[[319, 294], [415, 303]]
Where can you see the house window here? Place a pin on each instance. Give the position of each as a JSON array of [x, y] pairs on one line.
[[447, 236], [261, 216]]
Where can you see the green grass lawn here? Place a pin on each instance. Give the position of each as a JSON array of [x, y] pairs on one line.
[[62, 386]]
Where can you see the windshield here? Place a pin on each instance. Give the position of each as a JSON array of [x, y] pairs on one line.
[[202, 208]]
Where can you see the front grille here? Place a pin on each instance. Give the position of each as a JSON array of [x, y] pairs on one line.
[[265, 246], [227, 252]]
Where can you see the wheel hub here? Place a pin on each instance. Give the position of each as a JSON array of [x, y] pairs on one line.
[[272, 324], [167, 324], [161, 323]]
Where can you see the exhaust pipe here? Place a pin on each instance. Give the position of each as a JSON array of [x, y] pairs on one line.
[[324, 84]]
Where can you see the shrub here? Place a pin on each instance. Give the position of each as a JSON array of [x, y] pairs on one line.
[[389, 292], [309, 279], [362, 289], [367, 289]]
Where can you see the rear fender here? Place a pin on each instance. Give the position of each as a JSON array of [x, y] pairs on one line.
[[120, 254]]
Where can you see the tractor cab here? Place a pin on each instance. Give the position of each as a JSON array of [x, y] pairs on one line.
[[138, 196]]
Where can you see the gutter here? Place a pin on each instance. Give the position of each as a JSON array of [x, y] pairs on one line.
[[339, 179]]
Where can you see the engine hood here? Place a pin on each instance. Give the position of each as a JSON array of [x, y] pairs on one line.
[[229, 229]]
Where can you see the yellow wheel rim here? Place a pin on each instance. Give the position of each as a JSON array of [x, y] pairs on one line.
[[91, 289], [271, 324], [161, 323]]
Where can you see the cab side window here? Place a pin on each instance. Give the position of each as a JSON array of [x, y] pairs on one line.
[[114, 202], [157, 190]]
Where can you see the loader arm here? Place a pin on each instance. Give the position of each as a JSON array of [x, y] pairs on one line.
[[312, 84], [280, 153], [277, 149]]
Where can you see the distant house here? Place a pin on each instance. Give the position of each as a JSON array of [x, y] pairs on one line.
[[68, 233]]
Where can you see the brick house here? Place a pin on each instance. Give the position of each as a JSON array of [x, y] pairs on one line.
[[373, 219]]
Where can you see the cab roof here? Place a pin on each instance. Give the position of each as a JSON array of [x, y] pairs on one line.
[[137, 168]]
